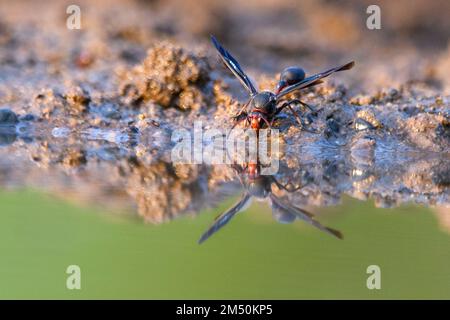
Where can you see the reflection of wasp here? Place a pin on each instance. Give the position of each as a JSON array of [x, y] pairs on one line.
[[260, 187]]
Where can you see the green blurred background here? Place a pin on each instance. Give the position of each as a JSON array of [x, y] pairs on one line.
[[253, 257]]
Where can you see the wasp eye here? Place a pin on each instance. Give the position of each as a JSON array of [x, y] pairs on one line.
[[292, 75]]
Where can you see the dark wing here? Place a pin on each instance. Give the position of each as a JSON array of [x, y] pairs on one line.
[[234, 66], [312, 84], [277, 205], [313, 80], [225, 217]]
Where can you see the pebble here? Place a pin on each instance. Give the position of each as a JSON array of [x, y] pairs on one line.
[[361, 124]]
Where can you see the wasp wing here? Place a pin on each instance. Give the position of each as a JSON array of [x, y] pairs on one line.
[[278, 205], [225, 217], [314, 79], [234, 66]]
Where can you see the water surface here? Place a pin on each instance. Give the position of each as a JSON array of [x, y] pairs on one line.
[[86, 201]]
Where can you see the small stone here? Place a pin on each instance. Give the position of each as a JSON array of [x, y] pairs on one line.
[[74, 158], [361, 124], [78, 101], [361, 100], [411, 110], [369, 117], [393, 94]]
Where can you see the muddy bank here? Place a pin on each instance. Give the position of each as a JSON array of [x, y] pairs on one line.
[[175, 86]]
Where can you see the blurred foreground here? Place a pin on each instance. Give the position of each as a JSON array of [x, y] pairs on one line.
[[120, 258]]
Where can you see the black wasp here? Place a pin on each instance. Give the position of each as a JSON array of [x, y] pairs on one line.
[[266, 105]]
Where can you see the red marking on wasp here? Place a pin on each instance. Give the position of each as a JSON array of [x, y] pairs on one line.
[[254, 123], [252, 169]]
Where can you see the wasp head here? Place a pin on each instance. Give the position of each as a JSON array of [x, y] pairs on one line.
[[259, 187], [264, 102], [255, 120]]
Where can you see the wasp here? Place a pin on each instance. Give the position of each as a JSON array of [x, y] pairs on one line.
[[266, 105], [259, 186]]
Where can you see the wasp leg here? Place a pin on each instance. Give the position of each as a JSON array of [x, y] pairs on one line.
[[285, 187], [273, 120], [311, 108], [239, 118], [241, 112], [300, 121], [269, 124]]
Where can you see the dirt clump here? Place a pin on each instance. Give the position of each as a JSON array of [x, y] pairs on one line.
[[170, 76]]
